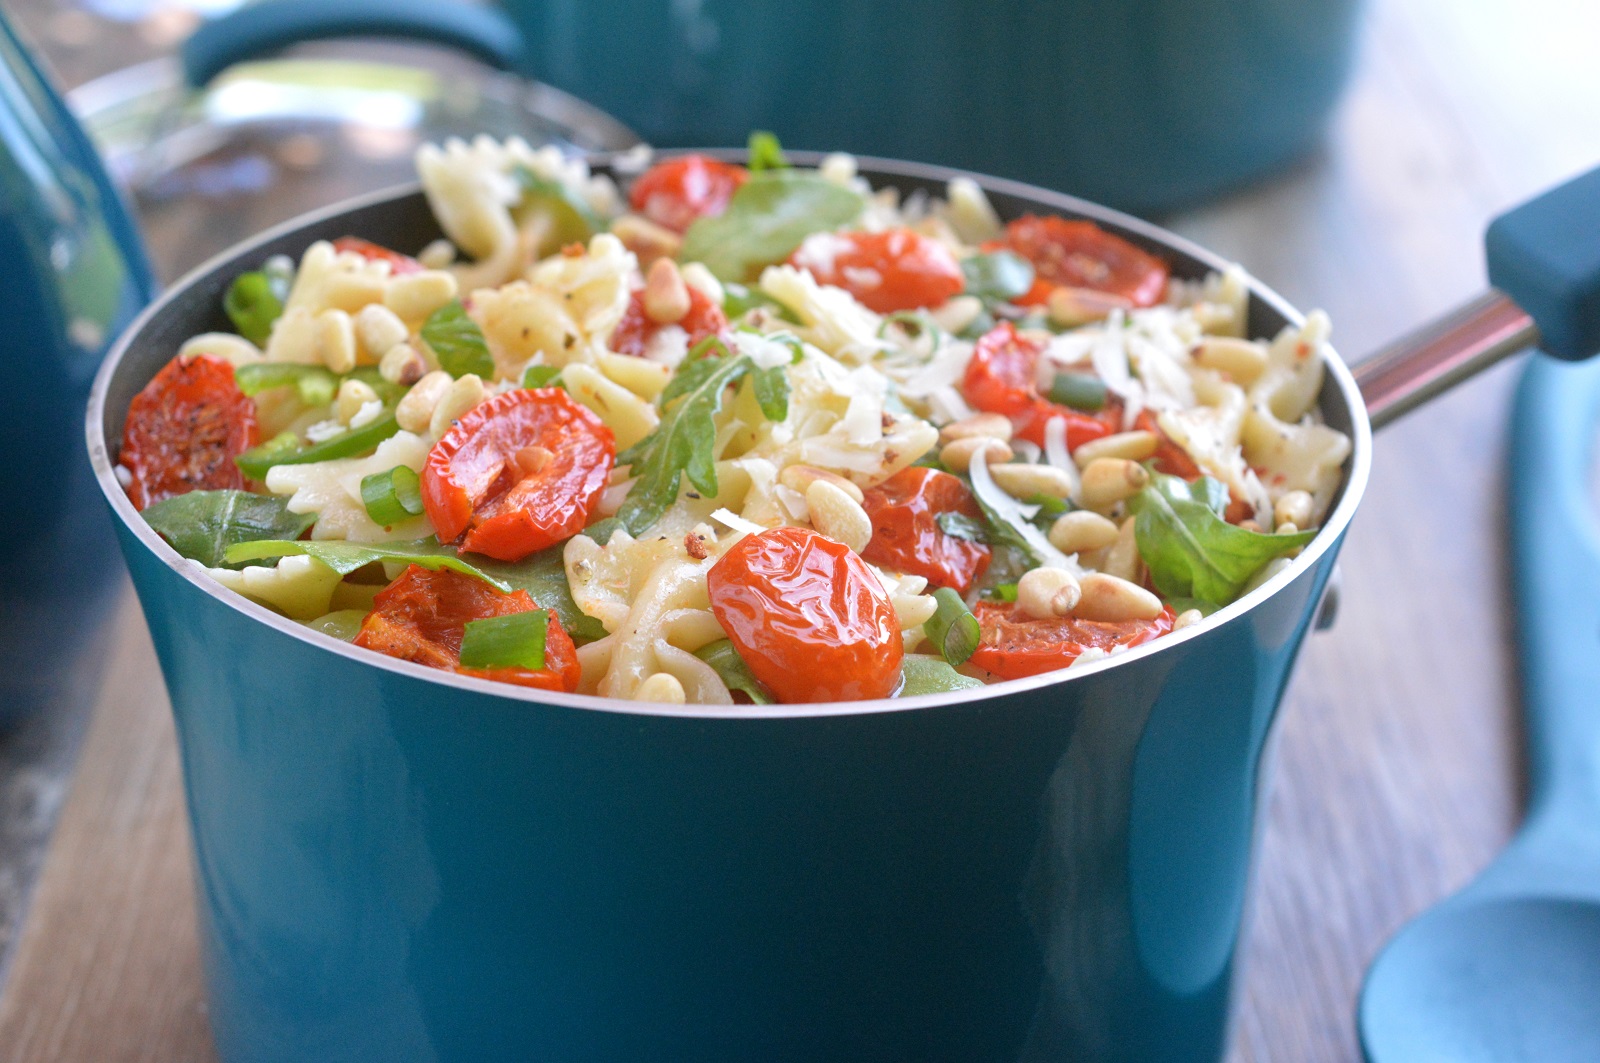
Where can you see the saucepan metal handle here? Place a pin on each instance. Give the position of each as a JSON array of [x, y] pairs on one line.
[[1544, 265]]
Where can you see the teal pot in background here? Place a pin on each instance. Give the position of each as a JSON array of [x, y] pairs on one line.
[[1147, 105], [72, 275], [398, 864]]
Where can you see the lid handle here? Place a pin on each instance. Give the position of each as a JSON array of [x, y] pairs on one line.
[[262, 29]]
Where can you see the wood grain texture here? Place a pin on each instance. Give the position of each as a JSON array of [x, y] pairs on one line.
[[1396, 764]]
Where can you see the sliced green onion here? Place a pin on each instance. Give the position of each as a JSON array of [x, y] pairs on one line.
[[734, 673], [765, 152], [952, 629], [285, 449], [960, 526], [1081, 391], [315, 384], [512, 641], [998, 276], [252, 306], [393, 496], [541, 376], [931, 675], [342, 624]]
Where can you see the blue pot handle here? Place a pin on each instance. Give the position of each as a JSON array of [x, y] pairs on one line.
[[1545, 256], [264, 28]]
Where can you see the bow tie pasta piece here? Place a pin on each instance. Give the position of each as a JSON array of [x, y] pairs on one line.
[[332, 490], [299, 587]]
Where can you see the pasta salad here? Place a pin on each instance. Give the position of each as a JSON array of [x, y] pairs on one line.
[[734, 434]]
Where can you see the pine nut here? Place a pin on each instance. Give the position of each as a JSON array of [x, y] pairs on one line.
[[1071, 307], [1131, 446], [990, 425], [1293, 508], [1112, 599], [438, 254], [647, 240], [1121, 558], [1288, 527], [666, 297], [378, 329], [463, 395], [533, 459], [1044, 593], [416, 295], [402, 364], [838, 516], [1089, 656], [957, 455], [1187, 618], [336, 341], [801, 477], [663, 688], [957, 314], [1108, 480], [1241, 360], [415, 410], [225, 345], [1025, 481], [353, 394], [1081, 531]]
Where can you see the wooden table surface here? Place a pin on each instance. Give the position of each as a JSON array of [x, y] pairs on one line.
[[1397, 770]]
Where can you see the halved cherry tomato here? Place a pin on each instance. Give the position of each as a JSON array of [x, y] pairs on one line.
[[808, 616], [1014, 646], [372, 252], [897, 269], [1001, 378], [635, 332], [517, 473], [906, 535], [1080, 254], [1169, 458], [675, 192], [184, 430], [421, 616]]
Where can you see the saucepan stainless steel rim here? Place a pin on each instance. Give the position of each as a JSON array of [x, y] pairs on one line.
[[1338, 376]]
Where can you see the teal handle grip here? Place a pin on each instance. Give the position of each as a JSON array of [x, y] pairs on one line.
[[1545, 255], [264, 28], [1556, 582]]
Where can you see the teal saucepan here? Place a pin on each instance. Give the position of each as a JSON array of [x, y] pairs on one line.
[[399, 864]]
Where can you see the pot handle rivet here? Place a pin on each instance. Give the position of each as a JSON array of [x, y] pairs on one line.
[[1328, 608]]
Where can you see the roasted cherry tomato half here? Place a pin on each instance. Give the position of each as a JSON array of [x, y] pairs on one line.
[[808, 617], [1169, 458], [635, 332], [906, 534], [675, 192], [1014, 646], [372, 252], [1080, 254], [421, 616], [517, 473], [184, 430], [1001, 377], [887, 271]]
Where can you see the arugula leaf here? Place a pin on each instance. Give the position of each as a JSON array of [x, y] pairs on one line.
[[252, 305], [960, 526], [766, 219], [602, 530], [542, 376], [765, 152], [571, 215], [1191, 551], [998, 276], [738, 300], [733, 672], [457, 341], [772, 391], [201, 525], [922, 674]]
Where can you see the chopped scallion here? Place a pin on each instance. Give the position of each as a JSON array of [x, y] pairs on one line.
[[393, 496], [252, 306], [765, 152], [952, 629], [1080, 391], [286, 449], [315, 384], [515, 640]]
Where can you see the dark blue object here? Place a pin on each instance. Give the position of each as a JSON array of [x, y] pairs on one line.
[[1508, 970], [1545, 254], [1147, 105], [396, 863], [74, 276], [260, 29]]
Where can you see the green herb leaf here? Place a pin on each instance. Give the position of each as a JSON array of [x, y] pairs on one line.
[[252, 306], [952, 629], [921, 674], [541, 376], [457, 341], [1003, 592], [515, 640], [201, 525], [772, 392], [286, 449], [1191, 551], [738, 300], [346, 557], [602, 530], [767, 218], [961, 526], [393, 496], [998, 276], [571, 216], [733, 672], [766, 153], [1080, 391]]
